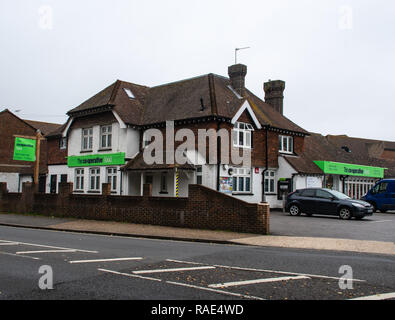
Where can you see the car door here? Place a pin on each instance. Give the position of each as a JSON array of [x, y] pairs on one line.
[[306, 200], [391, 195], [324, 202], [382, 196]]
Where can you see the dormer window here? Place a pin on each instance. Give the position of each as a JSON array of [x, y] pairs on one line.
[[129, 93], [286, 144], [242, 135]]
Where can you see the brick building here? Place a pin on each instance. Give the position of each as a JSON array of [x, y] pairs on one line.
[[16, 172], [105, 138]]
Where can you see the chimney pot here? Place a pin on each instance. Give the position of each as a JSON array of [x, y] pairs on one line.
[[274, 94], [237, 74]]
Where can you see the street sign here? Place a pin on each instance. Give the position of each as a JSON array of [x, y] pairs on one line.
[[25, 149]]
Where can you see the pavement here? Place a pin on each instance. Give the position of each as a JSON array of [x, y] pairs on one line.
[[197, 235]]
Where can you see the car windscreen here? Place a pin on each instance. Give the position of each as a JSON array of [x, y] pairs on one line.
[[339, 195]]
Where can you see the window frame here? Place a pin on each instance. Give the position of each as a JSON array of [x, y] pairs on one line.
[[113, 176], [89, 139], [240, 177], [289, 144], [79, 176], [108, 136], [242, 132], [95, 175], [63, 143], [270, 177], [199, 175]]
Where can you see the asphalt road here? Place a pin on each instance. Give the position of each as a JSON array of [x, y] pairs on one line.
[[378, 227], [162, 269]]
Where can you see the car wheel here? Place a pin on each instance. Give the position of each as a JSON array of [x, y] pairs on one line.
[[294, 210], [345, 214], [383, 210], [374, 207]]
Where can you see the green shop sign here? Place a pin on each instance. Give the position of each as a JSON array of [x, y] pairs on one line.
[[347, 169], [91, 160], [25, 149]]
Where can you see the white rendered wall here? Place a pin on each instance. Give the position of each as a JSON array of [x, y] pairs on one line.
[[12, 179], [57, 170]]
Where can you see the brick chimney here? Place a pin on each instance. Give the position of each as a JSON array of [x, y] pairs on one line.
[[274, 94], [237, 74]]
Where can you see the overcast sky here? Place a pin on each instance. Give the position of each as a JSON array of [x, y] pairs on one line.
[[336, 57]]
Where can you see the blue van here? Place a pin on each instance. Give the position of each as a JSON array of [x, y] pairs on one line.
[[382, 195]]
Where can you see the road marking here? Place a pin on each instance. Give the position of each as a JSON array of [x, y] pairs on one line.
[[46, 251], [381, 296], [106, 260], [129, 275], [264, 270], [247, 282], [184, 285], [50, 247], [172, 270], [380, 221], [9, 243], [216, 290], [18, 255]]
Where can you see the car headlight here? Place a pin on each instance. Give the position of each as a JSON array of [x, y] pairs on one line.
[[358, 205]]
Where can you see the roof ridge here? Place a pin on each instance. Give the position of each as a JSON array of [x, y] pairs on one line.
[[178, 81]]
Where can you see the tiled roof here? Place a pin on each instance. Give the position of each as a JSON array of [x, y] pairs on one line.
[[44, 127], [203, 96]]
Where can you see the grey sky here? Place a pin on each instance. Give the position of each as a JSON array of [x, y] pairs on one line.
[[338, 72]]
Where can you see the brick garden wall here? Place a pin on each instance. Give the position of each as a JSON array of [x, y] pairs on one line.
[[203, 209]]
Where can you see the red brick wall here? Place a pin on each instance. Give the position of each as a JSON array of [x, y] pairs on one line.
[[298, 145], [259, 140], [203, 209], [55, 154]]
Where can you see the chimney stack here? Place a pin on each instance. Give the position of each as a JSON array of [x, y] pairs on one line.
[[237, 74], [274, 94]]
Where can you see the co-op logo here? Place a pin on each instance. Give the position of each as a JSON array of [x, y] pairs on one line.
[[354, 171]]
